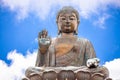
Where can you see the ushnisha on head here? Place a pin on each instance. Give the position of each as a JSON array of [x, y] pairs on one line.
[[68, 20]]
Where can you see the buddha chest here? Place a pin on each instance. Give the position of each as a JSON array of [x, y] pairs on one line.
[[66, 50]]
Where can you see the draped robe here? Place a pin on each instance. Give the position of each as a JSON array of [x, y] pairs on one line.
[[66, 51]]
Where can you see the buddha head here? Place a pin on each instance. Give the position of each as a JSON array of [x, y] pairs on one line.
[[68, 20]]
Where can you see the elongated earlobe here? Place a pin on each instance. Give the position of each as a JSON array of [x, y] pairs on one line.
[[76, 32], [59, 32]]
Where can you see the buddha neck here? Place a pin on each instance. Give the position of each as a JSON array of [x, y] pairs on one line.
[[67, 35]]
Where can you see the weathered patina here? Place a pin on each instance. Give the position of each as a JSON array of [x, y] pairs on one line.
[[67, 49]]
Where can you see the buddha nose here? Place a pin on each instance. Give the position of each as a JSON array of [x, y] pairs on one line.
[[67, 21]]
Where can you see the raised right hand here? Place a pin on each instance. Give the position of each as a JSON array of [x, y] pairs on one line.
[[44, 41]]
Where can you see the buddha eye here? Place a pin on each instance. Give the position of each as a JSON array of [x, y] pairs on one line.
[[63, 18], [72, 18]]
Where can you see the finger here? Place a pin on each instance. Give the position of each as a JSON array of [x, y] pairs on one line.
[[40, 35], [44, 33]]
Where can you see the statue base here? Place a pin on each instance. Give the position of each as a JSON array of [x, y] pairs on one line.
[[66, 73]]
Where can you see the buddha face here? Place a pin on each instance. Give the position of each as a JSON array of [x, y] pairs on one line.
[[67, 22]]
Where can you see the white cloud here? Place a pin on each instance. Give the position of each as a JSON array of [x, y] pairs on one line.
[[114, 68], [19, 64], [101, 21], [42, 8]]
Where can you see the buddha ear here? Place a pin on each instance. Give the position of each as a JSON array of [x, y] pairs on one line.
[[76, 30], [59, 28]]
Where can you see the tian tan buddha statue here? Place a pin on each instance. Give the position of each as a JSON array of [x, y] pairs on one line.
[[67, 57]]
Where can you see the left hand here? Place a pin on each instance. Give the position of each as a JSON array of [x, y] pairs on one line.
[[93, 63]]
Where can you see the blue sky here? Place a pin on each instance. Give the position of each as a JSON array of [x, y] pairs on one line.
[[20, 22]]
